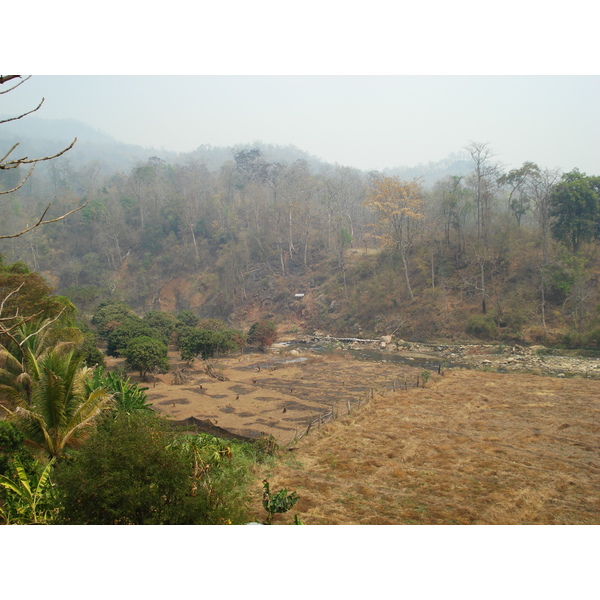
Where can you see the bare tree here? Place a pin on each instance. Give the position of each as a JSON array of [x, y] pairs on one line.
[[540, 188], [483, 181], [7, 163]]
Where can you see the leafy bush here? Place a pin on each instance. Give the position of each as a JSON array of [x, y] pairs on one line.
[[92, 355], [128, 397], [482, 326], [132, 471], [263, 334], [30, 499], [11, 446], [277, 503]]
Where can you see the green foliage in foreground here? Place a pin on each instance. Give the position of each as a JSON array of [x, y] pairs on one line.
[[135, 470], [278, 503], [127, 396], [30, 499], [58, 410], [11, 446]]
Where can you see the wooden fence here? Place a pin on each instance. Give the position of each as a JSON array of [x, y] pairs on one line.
[[319, 421]]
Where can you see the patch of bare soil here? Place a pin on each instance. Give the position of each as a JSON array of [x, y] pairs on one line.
[[274, 394], [470, 448]]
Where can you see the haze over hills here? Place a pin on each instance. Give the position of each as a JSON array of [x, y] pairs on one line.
[[40, 137]]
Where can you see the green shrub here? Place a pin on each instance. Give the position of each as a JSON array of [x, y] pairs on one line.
[[11, 446], [482, 326], [135, 470], [128, 397]]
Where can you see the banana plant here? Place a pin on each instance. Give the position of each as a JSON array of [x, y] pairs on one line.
[[280, 502], [31, 500], [128, 397]]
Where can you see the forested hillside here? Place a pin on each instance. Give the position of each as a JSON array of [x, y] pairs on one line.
[[272, 232]]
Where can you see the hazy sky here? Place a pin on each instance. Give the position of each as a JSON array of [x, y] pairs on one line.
[[369, 122], [363, 86]]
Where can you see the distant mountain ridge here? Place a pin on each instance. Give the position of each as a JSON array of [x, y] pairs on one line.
[[42, 137]]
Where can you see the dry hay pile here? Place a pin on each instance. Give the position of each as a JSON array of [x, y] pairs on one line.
[[470, 448]]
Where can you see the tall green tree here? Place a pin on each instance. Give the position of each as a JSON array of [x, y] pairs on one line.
[[132, 327], [109, 315], [575, 207], [518, 183], [145, 354]]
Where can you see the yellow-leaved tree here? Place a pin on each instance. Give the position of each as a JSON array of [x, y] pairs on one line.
[[398, 205]]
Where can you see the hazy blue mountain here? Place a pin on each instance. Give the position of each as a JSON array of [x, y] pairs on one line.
[[43, 137]]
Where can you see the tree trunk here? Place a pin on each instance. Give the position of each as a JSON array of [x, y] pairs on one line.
[[483, 305], [406, 273]]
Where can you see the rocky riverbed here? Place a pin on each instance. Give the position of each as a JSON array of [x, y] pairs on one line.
[[532, 359]]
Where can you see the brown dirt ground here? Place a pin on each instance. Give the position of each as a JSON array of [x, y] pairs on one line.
[[272, 394], [470, 448]]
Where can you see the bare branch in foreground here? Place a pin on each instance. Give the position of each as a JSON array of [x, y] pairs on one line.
[[42, 222], [5, 78], [20, 184], [13, 164], [24, 114], [6, 164]]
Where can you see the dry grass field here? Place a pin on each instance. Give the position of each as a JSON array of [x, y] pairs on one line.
[[471, 447]]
